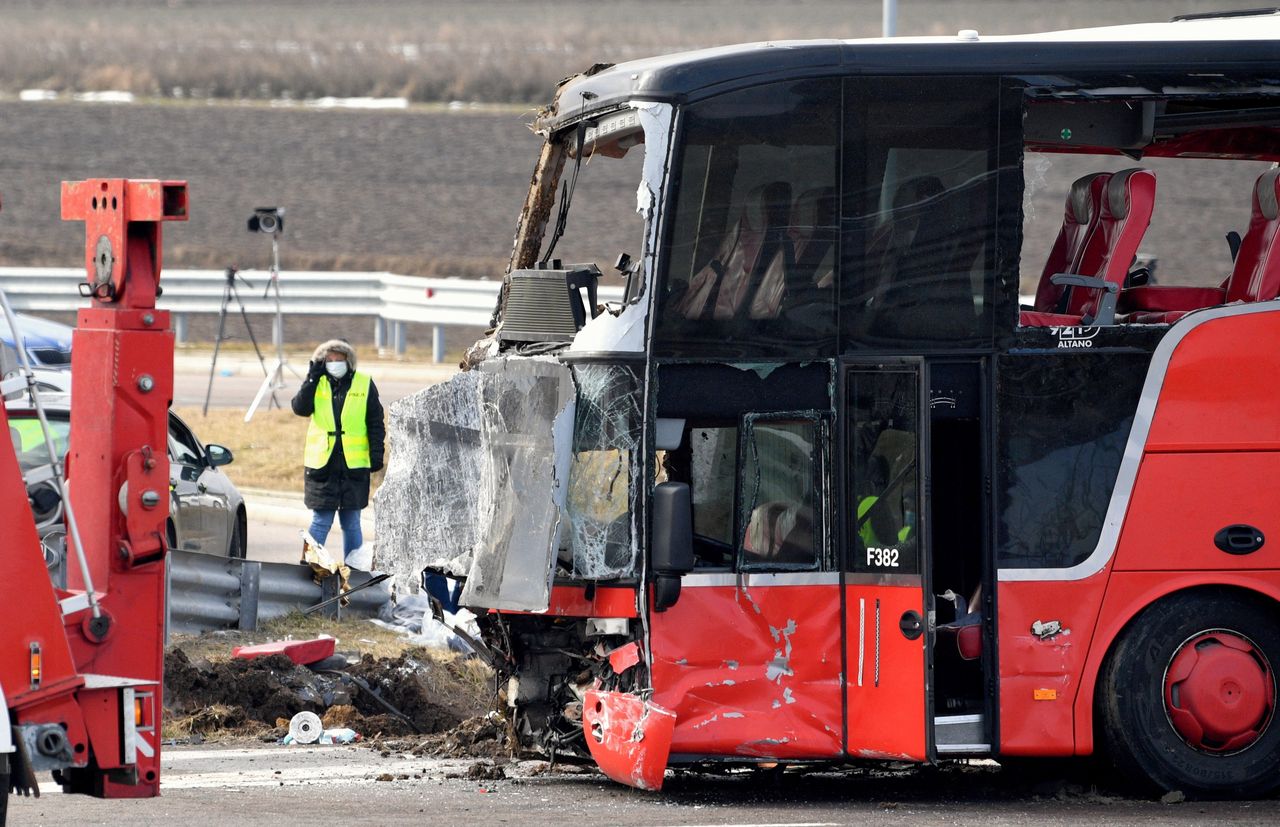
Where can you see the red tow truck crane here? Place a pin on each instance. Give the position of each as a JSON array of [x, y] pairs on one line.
[[81, 668]]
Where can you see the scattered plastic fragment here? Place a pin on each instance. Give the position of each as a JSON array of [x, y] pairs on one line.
[[300, 652]]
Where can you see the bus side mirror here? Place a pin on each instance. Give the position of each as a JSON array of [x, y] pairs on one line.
[[672, 550]]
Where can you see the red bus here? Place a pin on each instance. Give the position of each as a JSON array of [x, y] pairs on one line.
[[921, 427]]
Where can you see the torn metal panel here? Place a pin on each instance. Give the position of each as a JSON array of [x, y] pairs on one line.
[[629, 738], [604, 472], [625, 332], [780, 695], [526, 408], [547, 115], [477, 481]]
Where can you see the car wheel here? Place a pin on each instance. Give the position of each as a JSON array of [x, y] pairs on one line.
[[1188, 697], [237, 545]]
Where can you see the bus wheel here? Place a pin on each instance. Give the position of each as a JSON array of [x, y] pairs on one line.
[[1187, 700]]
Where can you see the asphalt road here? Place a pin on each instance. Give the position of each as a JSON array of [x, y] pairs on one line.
[[274, 541], [272, 785], [239, 389]]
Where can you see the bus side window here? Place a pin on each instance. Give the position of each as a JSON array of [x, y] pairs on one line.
[[707, 460], [755, 228], [779, 506], [885, 478], [923, 160]]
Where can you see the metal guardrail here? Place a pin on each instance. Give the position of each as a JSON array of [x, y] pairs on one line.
[[209, 592], [393, 302]]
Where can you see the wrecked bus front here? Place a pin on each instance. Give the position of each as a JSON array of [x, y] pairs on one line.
[[809, 485], [525, 474]]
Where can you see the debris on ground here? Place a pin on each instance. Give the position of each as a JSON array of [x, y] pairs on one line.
[[412, 616], [486, 771], [306, 728], [302, 652], [415, 693], [482, 736]]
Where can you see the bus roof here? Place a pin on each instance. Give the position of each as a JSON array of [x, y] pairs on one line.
[[1230, 43]]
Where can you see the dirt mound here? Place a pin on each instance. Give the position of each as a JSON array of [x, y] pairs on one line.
[[432, 695], [482, 736]]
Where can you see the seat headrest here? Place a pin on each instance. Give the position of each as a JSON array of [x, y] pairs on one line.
[[767, 205], [914, 191], [815, 208], [1081, 199], [1265, 192], [1118, 190]]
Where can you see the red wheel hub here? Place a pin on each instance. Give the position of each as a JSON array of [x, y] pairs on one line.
[[1219, 692]]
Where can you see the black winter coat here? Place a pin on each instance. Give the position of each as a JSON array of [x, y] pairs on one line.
[[336, 486]]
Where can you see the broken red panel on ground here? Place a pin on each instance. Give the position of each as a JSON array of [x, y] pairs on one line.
[[300, 652], [629, 738]]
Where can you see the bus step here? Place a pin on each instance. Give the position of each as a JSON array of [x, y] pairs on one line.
[[960, 734]]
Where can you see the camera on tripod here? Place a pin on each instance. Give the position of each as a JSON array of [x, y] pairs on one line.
[[269, 220]]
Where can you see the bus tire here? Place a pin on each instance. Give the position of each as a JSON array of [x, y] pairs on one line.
[[1187, 699]]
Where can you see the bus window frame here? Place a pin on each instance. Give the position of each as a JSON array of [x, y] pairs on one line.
[[820, 474]]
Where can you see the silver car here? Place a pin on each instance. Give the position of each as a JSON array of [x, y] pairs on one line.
[[206, 512]]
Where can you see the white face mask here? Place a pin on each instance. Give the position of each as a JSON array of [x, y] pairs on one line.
[[336, 369]]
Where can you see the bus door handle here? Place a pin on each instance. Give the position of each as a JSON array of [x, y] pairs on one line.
[[1239, 539], [911, 624]]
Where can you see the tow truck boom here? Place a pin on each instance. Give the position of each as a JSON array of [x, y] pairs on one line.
[[81, 668]]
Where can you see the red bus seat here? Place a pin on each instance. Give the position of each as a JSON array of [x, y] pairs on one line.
[[1084, 205], [1128, 201], [813, 235], [966, 629], [750, 255], [1255, 276]]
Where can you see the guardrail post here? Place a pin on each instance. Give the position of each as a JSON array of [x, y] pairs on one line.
[[380, 334], [437, 343], [250, 574], [181, 328], [400, 337], [330, 587]]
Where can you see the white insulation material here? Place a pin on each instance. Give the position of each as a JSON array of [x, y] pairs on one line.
[[477, 481]]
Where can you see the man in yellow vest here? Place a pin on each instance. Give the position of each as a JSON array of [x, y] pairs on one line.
[[345, 441]]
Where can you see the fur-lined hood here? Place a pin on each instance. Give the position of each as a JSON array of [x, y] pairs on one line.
[[341, 347]]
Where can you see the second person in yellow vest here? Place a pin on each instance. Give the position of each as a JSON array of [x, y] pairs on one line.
[[346, 439]]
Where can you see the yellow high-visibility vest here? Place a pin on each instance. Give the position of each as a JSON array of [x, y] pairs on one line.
[[321, 429], [866, 532]]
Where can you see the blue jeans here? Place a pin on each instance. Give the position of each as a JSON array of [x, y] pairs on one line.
[[348, 518]]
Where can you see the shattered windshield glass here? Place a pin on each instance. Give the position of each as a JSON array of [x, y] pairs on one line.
[[601, 472], [476, 487]]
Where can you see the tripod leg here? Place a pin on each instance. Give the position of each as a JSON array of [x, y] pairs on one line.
[[249, 328], [263, 390], [217, 345], [277, 383]]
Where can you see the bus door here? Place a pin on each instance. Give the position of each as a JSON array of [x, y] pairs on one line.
[[749, 656], [884, 566]]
